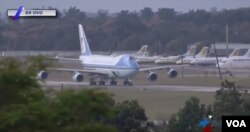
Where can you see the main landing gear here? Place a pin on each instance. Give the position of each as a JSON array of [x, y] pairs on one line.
[[128, 82], [113, 82], [92, 81], [101, 81]]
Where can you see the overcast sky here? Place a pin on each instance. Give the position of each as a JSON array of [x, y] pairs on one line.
[[132, 5]]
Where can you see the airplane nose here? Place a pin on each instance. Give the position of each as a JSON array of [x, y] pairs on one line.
[[220, 64], [192, 62], [157, 61], [178, 62]]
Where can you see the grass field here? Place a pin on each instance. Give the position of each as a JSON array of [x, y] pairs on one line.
[[191, 80], [160, 104], [194, 80]]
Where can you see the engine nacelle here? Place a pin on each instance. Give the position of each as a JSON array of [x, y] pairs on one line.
[[78, 77], [152, 76], [172, 73], [42, 75]]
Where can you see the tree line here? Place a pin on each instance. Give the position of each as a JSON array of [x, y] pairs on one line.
[[165, 31]]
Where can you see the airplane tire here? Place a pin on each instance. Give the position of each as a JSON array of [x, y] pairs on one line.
[[92, 83], [128, 83], [125, 83], [101, 82], [112, 83]]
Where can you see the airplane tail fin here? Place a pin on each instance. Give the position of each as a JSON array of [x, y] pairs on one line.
[[191, 51], [235, 52], [83, 41], [203, 52], [247, 54], [143, 50]]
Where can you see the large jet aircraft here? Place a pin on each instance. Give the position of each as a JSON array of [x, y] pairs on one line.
[[174, 59], [187, 60], [102, 68], [212, 60], [147, 59], [143, 51], [236, 62]]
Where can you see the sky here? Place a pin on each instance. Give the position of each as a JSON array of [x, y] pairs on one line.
[[118, 5]]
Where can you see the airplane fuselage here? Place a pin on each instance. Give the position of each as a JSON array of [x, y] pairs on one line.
[[146, 59], [206, 61], [168, 60], [236, 63], [123, 66]]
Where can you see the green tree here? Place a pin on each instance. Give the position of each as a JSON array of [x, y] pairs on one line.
[[226, 99], [34, 64], [147, 13], [85, 110], [16, 84], [166, 13], [187, 119], [131, 117]]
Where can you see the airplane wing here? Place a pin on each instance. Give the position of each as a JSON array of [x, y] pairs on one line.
[[66, 59], [91, 71], [161, 67]]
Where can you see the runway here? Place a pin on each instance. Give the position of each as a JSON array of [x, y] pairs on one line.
[[75, 85]]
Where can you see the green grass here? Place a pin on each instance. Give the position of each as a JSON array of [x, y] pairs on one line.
[[160, 104], [199, 80]]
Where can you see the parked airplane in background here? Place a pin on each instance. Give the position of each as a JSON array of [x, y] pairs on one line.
[[142, 56], [212, 60], [143, 51], [236, 62], [174, 59], [102, 68], [187, 60], [147, 59]]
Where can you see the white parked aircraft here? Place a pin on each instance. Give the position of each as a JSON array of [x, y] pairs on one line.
[[147, 59], [174, 59], [101, 68], [187, 60], [212, 60], [236, 62], [143, 51]]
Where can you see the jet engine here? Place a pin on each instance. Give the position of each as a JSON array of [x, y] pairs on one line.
[[152, 76], [42, 75], [78, 77], [172, 73]]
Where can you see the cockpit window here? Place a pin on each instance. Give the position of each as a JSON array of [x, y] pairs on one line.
[[132, 59]]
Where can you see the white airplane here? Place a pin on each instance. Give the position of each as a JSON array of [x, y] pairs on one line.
[[147, 59], [236, 62], [143, 51], [212, 60], [174, 59], [102, 68], [187, 60]]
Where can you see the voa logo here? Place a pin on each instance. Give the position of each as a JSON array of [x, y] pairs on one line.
[[236, 123]]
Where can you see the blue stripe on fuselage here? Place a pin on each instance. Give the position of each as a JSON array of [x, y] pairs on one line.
[[109, 67]]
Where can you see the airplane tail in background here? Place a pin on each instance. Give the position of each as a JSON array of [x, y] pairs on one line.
[[235, 52], [191, 51], [143, 51], [247, 54], [83, 42], [203, 52]]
